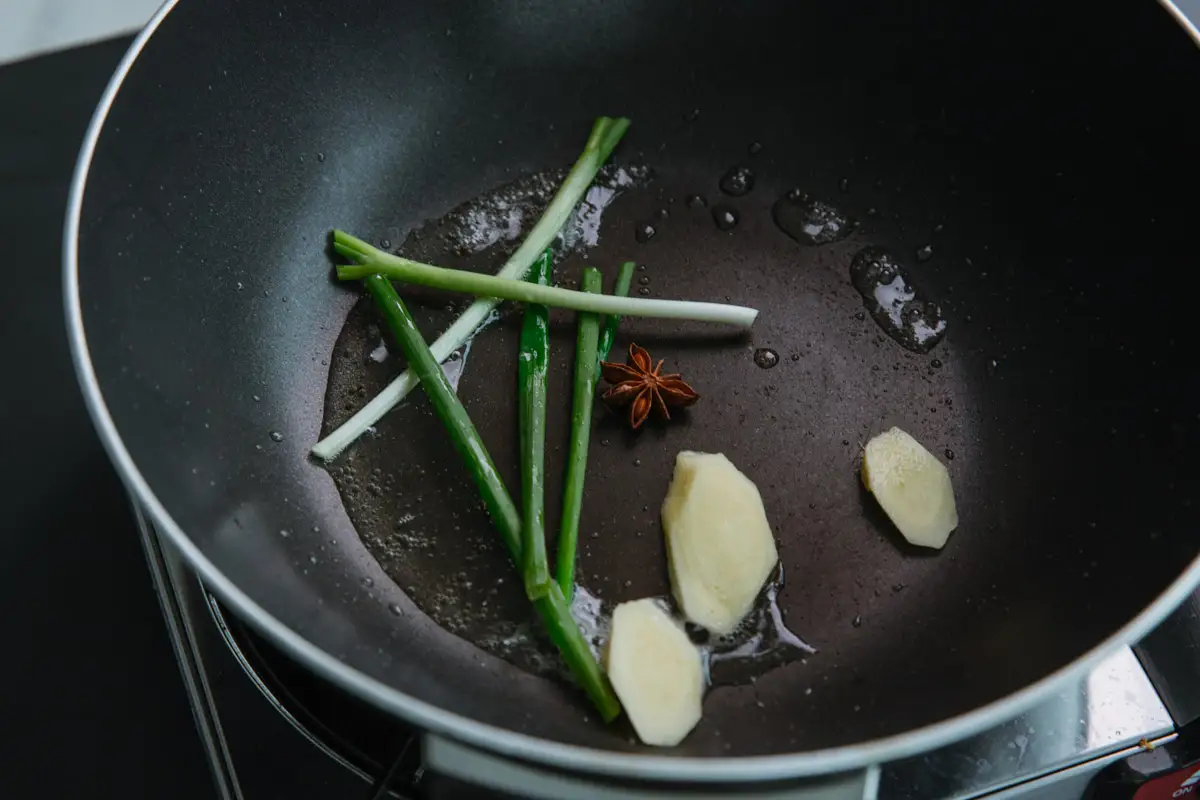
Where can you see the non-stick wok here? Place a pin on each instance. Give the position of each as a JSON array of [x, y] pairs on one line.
[[1033, 164]]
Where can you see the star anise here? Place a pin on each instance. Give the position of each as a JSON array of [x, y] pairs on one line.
[[640, 385]]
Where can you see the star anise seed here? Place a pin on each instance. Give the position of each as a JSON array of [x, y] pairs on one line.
[[640, 385]]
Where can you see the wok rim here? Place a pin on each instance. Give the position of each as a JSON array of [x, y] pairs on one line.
[[433, 719]]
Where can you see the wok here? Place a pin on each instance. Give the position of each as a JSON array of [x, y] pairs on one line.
[[1043, 153]]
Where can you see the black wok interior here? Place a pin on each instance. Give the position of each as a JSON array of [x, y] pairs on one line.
[[1045, 151]]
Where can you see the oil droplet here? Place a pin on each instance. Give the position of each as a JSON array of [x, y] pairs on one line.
[[284, 534], [762, 641], [936, 363], [993, 366], [809, 221], [844, 184], [726, 217], [644, 292], [695, 201], [765, 357], [755, 148], [925, 252], [795, 356], [644, 232], [396, 610], [386, 244], [276, 436], [949, 454], [737, 181], [662, 213], [692, 115], [917, 324], [321, 157], [368, 582], [644, 279], [857, 621]]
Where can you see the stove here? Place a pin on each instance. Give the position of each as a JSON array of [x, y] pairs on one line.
[[1127, 718], [271, 730]]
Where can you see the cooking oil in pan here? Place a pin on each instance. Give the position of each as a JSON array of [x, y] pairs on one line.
[[503, 216], [894, 304], [644, 232], [810, 221], [479, 598], [737, 181], [725, 216], [454, 365], [759, 644], [765, 357]]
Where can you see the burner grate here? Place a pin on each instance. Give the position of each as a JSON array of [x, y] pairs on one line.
[[381, 749]]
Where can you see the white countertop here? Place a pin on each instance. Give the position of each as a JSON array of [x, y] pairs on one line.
[[32, 27]]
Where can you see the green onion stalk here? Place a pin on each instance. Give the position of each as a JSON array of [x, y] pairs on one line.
[[369, 261], [606, 133], [553, 608], [581, 432], [531, 383], [609, 332]]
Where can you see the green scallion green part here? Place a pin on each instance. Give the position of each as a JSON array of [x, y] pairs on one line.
[[609, 332], [554, 607], [449, 410], [531, 404], [581, 434], [606, 133]]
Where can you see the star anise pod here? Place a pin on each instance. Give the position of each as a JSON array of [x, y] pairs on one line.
[[640, 385]]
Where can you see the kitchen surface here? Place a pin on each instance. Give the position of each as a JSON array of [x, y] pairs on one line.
[[123, 675], [91, 692]]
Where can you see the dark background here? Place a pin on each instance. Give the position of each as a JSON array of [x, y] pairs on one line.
[[91, 701]]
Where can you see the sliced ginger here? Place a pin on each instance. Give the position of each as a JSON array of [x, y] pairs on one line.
[[912, 487]]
